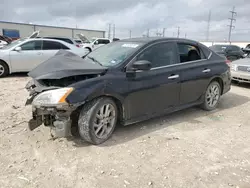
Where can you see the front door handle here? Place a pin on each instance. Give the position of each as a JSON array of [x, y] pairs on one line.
[[39, 53], [173, 76], [206, 70]]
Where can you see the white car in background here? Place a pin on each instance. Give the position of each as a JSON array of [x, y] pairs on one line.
[[24, 55], [92, 44], [2, 43]]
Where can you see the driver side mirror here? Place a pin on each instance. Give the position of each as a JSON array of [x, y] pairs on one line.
[[96, 42], [142, 65], [18, 49]]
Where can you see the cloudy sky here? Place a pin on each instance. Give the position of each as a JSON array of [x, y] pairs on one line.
[[136, 15]]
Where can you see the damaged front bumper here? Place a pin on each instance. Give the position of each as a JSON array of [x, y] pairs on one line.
[[57, 118]]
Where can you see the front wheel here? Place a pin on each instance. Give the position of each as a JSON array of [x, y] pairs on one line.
[[97, 120], [212, 96], [4, 69]]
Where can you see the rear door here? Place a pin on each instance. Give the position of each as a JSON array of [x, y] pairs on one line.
[[50, 48], [153, 91], [196, 72]]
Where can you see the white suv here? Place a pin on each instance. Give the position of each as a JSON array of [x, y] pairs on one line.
[[92, 44]]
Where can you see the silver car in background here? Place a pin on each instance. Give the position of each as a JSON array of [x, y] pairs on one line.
[[240, 70], [25, 54]]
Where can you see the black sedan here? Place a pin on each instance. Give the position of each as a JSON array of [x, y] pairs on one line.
[[124, 82], [231, 52]]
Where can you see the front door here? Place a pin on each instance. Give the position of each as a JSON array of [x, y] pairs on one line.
[[28, 57], [153, 91]]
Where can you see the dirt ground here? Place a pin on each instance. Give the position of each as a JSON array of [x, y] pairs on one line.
[[191, 148]]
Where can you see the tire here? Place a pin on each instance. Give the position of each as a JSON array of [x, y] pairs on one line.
[[211, 99], [90, 120], [4, 69]]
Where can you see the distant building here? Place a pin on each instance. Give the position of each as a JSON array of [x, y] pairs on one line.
[[21, 30]]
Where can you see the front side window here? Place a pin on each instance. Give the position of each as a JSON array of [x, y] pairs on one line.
[[114, 53], [188, 53], [159, 55], [32, 45], [51, 45]]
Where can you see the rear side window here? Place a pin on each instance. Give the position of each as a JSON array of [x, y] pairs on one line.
[[32, 45], [52, 45], [188, 52], [205, 50]]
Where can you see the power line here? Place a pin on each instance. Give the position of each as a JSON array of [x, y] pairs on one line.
[[231, 26], [114, 31], [109, 31], [148, 33], [208, 25], [163, 32], [178, 32]]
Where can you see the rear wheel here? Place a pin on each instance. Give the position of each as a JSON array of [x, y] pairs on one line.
[[4, 69], [212, 96], [97, 120]]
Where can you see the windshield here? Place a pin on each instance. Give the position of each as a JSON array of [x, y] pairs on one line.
[[12, 44], [114, 53], [218, 48]]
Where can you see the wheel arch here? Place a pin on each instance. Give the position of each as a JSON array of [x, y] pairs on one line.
[[220, 81], [9, 67], [117, 101]]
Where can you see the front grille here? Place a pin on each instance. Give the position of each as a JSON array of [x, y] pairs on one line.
[[244, 68]]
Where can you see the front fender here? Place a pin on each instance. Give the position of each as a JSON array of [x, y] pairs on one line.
[[86, 93]]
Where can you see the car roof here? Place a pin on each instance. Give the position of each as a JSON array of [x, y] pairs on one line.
[[60, 37], [47, 39], [157, 39]]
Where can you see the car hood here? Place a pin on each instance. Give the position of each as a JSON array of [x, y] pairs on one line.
[[65, 64], [245, 61]]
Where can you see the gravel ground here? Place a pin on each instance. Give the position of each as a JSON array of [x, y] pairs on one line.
[[191, 148]]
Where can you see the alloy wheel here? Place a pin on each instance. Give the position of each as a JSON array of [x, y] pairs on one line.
[[213, 95], [104, 121], [1, 70]]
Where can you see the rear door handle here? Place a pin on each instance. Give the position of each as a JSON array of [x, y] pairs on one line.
[[39, 53], [206, 70], [173, 76]]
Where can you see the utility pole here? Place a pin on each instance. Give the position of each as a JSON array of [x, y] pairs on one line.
[[178, 32], [130, 33], [231, 26], [163, 32], [208, 25], [148, 33], [114, 31], [109, 31], [185, 35]]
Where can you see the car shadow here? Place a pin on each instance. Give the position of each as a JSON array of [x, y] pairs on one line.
[[128, 133], [243, 85], [20, 74]]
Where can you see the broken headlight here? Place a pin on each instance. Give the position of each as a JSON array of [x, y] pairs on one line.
[[52, 97]]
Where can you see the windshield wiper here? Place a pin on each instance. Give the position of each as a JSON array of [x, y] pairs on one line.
[[95, 60]]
